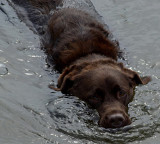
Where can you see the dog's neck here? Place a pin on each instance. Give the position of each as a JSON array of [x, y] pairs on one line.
[[91, 58]]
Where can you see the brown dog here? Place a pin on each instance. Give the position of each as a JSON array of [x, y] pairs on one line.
[[79, 47]]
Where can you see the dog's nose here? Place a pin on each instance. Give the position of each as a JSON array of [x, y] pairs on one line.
[[116, 120]]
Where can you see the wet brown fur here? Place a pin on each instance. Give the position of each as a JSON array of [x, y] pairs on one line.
[[81, 49], [74, 34]]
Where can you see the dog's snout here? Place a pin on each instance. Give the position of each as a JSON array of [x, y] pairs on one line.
[[116, 120]]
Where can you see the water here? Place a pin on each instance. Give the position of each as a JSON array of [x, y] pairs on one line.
[[31, 113]]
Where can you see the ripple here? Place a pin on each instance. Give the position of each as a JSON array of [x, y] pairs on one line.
[[3, 70], [74, 118]]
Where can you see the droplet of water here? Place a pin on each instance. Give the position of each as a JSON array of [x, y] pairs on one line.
[[3, 70]]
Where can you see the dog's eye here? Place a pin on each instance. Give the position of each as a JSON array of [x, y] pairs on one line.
[[96, 99], [100, 92], [98, 96], [122, 94]]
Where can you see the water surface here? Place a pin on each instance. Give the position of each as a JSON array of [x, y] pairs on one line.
[[32, 113]]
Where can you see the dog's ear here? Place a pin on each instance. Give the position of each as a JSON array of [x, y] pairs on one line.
[[134, 76], [141, 80], [66, 85], [68, 76], [66, 79]]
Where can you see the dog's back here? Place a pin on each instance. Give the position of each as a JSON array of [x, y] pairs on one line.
[[36, 13], [74, 34], [69, 29]]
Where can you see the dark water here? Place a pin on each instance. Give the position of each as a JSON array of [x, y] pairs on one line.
[[31, 113]]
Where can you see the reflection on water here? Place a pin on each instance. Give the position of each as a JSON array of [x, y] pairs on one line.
[[3, 70], [32, 113]]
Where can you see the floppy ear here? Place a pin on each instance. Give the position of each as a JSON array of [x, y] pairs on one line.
[[134, 76], [66, 79], [141, 80], [66, 85], [61, 80]]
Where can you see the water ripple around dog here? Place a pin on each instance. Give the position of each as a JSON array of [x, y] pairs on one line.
[[32, 113]]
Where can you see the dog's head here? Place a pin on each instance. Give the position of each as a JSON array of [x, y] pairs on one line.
[[105, 85]]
